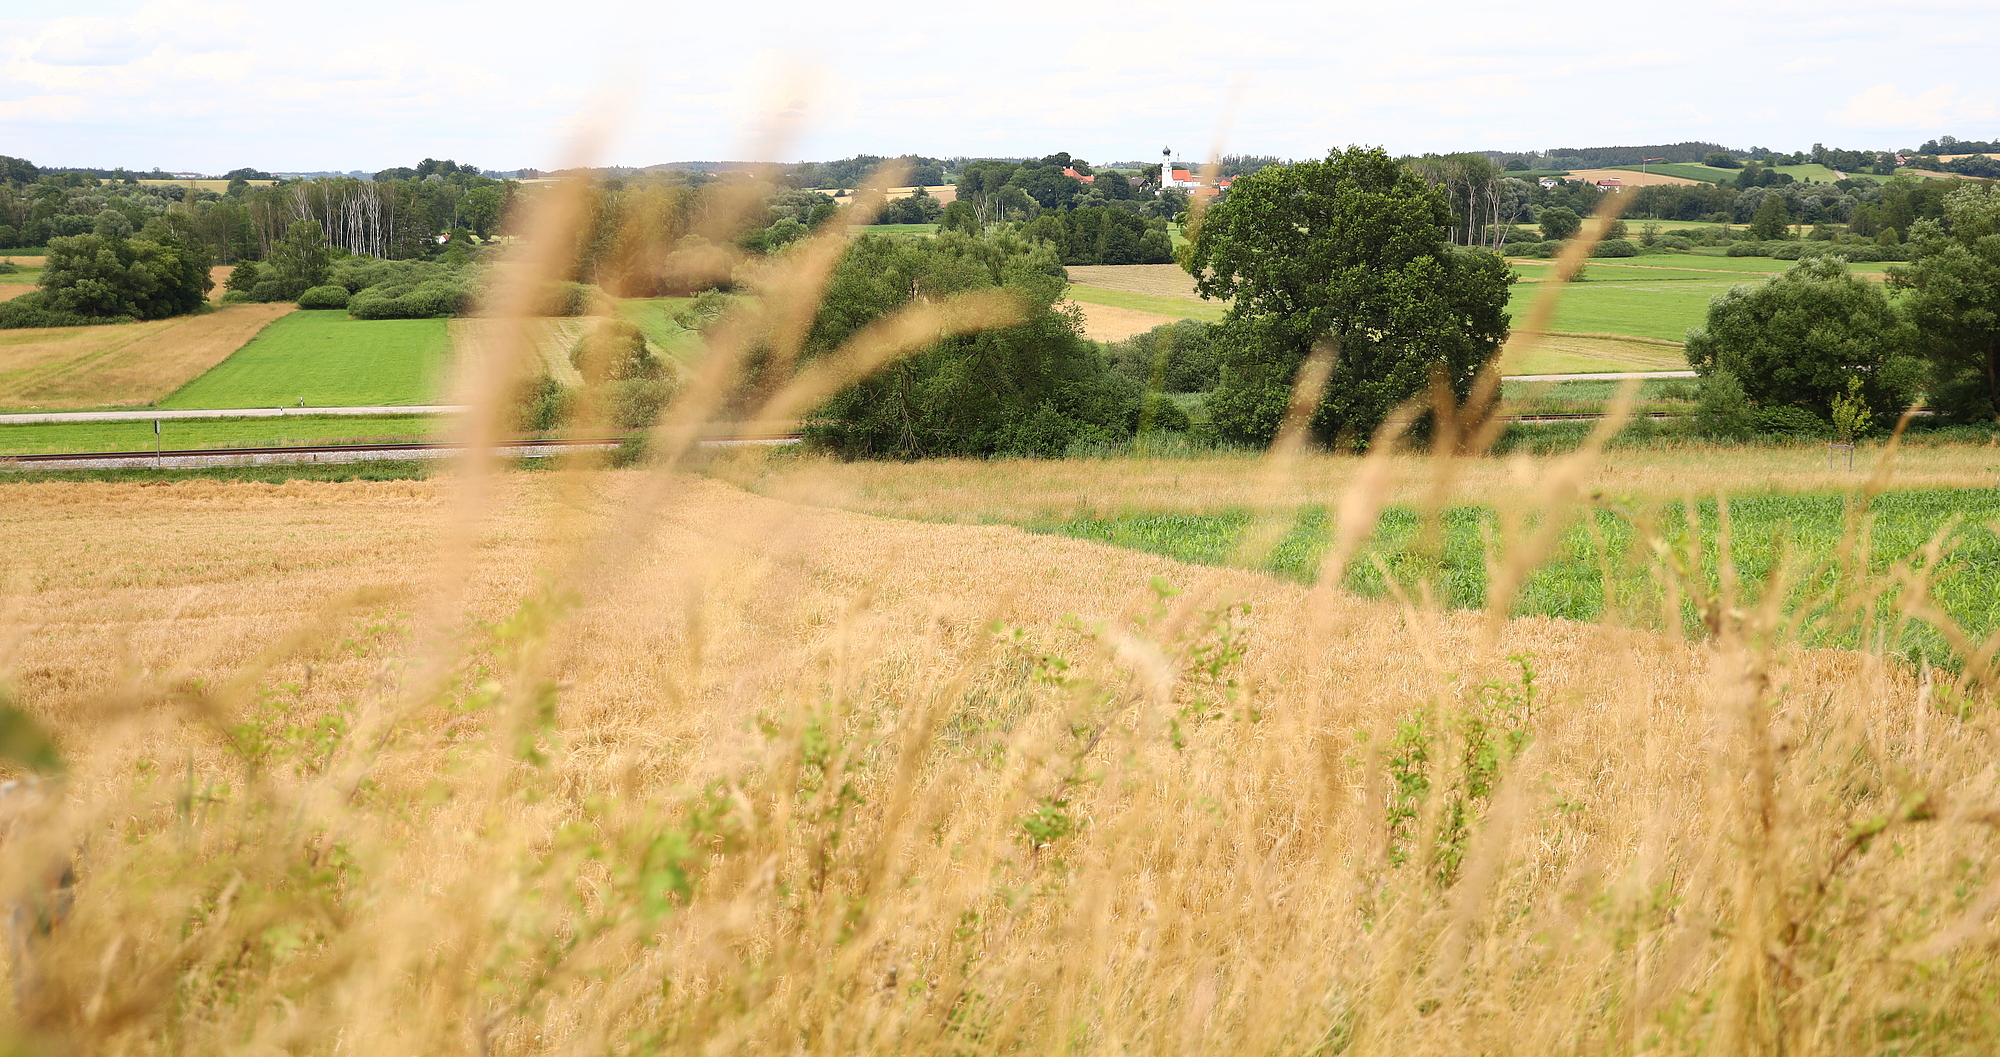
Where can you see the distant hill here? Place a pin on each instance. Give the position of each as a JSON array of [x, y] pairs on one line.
[[1610, 157]]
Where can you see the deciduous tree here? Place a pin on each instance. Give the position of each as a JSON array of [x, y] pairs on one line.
[[1800, 338], [1954, 302], [1350, 249]]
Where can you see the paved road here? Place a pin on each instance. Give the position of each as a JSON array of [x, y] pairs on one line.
[[1617, 376], [34, 417]]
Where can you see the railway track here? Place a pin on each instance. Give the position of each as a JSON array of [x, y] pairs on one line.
[[529, 448]]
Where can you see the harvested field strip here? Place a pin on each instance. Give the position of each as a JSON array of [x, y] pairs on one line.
[[1109, 323], [1170, 307], [325, 359], [123, 365], [1593, 354], [47, 438], [1799, 531], [1153, 280]]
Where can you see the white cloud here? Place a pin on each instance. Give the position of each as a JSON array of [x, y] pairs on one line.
[[1886, 107], [91, 42]]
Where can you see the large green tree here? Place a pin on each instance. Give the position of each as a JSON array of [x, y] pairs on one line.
[[1953, 302], [1353, 249], [1799, 338], [1029, 389], [103, 277]]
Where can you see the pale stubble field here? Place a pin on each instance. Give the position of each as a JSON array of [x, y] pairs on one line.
[[580, 769]]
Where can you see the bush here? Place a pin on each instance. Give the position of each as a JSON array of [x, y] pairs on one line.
[[243, 278], [423, 301], [541, 404], [615, 351], [1747, 249], [1615, 248], [1785, 251], [636, 402], [1722, 410], [324, 297], [1677, 243], [1160, 414], [33, 310], [706, 308], [1789, 421], [1177, 357], [268, 290], [238, 297], [568, 299]]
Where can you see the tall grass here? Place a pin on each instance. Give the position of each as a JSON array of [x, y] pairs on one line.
[[635, 762]]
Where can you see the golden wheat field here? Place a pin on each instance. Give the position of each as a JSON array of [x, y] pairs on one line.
[[1155, 280], [64, 368], [778, 777], [746, 754]]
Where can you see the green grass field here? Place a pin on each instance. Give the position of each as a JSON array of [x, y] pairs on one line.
[[327, 360], [1177, 307], [655, 316], [47, 438], [900, 229], [1649, 297], [1809, 171], [1636, 303], [1806, 529], [1686, 171]]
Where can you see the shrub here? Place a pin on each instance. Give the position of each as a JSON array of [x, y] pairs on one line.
[[1746, 249], [1722, 410], [439, 297], [1178, 357], [1785, 251], [1160, 414], [706, 308], [33, 310], [615, 351], [541, 404], [324, 297], [636, 402], [243, 278], [1615, 248], [268, 290], [1677, 243], [568, 299], [1787, 420]]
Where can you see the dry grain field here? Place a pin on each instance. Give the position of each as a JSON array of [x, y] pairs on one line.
[[647, 761], [64, 368]]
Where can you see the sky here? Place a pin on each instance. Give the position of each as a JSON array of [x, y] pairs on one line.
[[369, 84]]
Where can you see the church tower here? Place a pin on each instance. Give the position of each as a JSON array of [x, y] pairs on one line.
[[1166, 168]]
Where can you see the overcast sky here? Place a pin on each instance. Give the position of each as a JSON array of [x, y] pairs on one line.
[[367, 84]]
